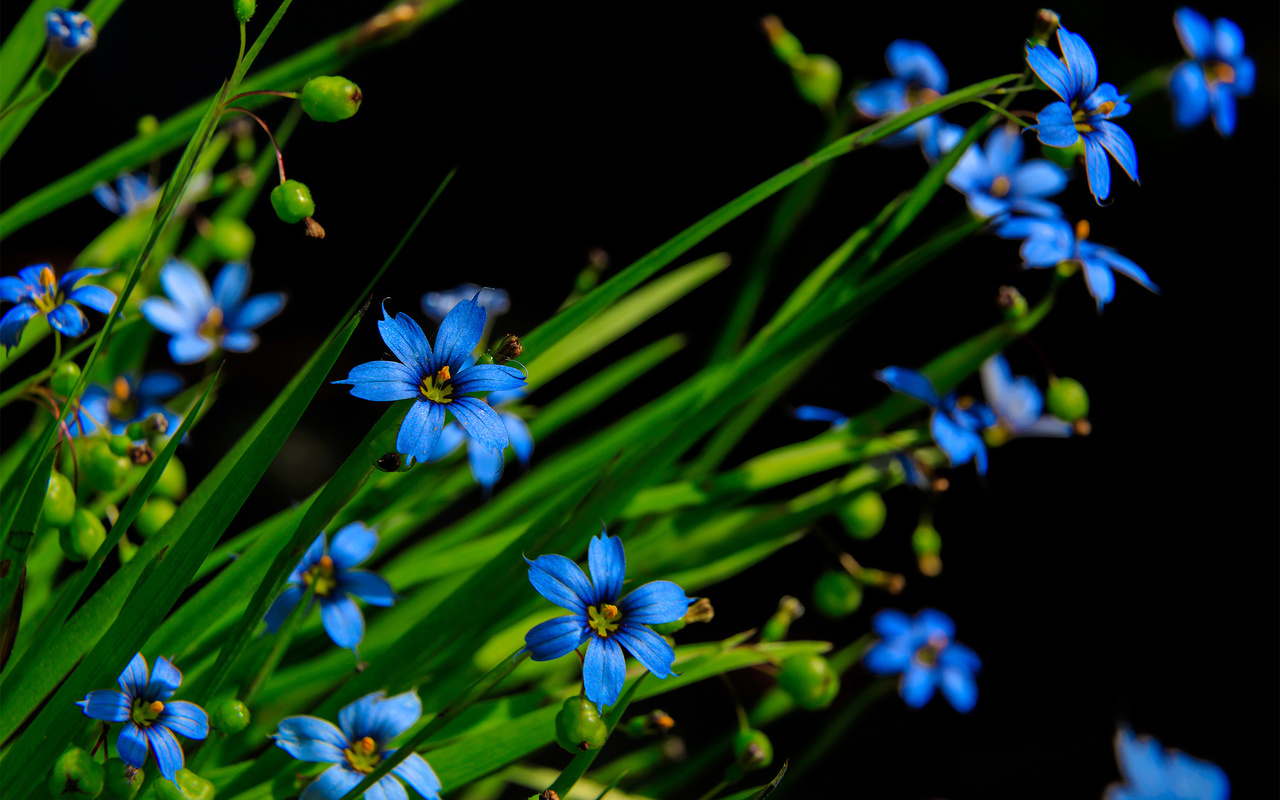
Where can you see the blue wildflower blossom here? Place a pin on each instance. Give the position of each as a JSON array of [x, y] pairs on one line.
[[1216, 75], [1086, 110], [442, 380], [36, 290], [996, 181], [152, 721], [918, 77], [956, 427], [924, 651], [334, 579], [1017, 402], [1049, 242], [131, 192], [1153, 773], [601, 619], [486, 464], [355, 747], [129, 399], [201, 321], [437, 305], [69, 31]]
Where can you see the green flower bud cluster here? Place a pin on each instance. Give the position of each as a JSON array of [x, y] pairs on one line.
[[579, 727], [817, 77]]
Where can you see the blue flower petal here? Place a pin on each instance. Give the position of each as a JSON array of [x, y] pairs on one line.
[[68, 320], [371, 588], [1049, 242], [107, 705], [382, 380], [420, 430], [166, 749], [959, 687], [437, 305], [603, 671], [486, 465], [459, 334], [134, 678], [561, 581], [188, 349], [1124, 266], [1098, 167], [557, 637], [1224, 111], [1105, 94], [1188, 776], [231, 285], [357, 718], [107, 198], [1049, 427], [72, 277], [418, 774], [285, 603], [1101, 283], [889, 657], [931, 623], [131, 745], [13, 321], [608, 563], [1116, 141], [917, 684], [332, 784], [1055, 126], [655, 603], [393, 716], [1004, 149], [407, 341], [315, 551], [342, 621], [488, 378], [481, 422], [390, 789], [158, 385], [165, 680], [959, 655], [890, 623], [1245, 76], [1050, 69], [1034, 207], [451, 438], [1194, 32], [1038, 178], [915, 62], [909, 382], [819, 414], [984, 205], [519, 436], [1081, 63], [185, 719], [257, 310], [352, 544], [13, 290], [187, 288], [95, 297], [1228, 39], [1141, 761], [165, 317], [883, 97], [31, 276], [956, 441], [648, 647]]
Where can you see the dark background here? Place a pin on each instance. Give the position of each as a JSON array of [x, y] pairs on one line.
[[1127, 576]]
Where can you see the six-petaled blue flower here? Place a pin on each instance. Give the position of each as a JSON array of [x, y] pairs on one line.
[[1153, 773], [603, 620], [956, 427], [333, 576], [355, 747], [996, 181], [1216, 75], [201, 321], [36, 290], [128, 399], [486, 464], [151, 720], [1086, 110], [918, 77], [437, 305], [442, 379], [923, 650], [69, 31], [1017, 402], [131, 192]]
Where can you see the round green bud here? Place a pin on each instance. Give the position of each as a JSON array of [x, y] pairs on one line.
[[103, 469], [122, 782], [837, 594], [231, 239], [579, 727], [818, 80], [1067, 399], [153, 515], [810, 681], [229, 715], [63, 380], [148, 124], [292, 201], [59, 502], [120, 444], [331, 98], [173, 481], [76, 773], [83, 536], [244, 9], [752, 750], [186, 785], [863, 516]]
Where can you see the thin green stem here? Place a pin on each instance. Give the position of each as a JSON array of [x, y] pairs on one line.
[[240, 56], [57, 350], [714, 790], [1009, 115], [270, 135], [270, 92]]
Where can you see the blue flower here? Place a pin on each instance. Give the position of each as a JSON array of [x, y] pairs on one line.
[[1017, 402], [129, 399], [1153, 773], [334, 579], [924, 651], [486, 464], [69, 31], [131, 192], [1087, 109], [357, 745], [442, 380], [37, 291], [996, 181], [1216, 75], [918, 77], [437, 305], [956, 427], [599, 616], [1049, 242], [151, 719], [820, 414], [201, 321]]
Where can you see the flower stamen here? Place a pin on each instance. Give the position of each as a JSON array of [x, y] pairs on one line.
[[437, 388], [363, 755], [604, 620], [1082, 230], [1000, 186]]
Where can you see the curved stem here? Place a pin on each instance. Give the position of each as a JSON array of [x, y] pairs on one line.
[[270, 135], [1010, 115]]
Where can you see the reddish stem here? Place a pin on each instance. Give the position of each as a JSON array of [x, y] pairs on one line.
[[270, 135]]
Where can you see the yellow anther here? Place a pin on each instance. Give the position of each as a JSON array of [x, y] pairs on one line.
[[609, 612], [664, 722], [1082, 229], [120, 387], [326, 563], [1106, 108], [1222, 73], [444, 374], [1000, 186], [156, 707], [367, 744], [47, 278]]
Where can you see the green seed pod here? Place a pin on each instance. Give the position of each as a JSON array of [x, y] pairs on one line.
[[810, 681], [76, 773], [103, 469], [229, 715], [59, 502], [186, 785], [153, 515], [173, 481], [83, 536], [1067, 399], [837, 594], [244, 9], [818, 79], [331, 98], [927, 543], [579, 727], [120, 444], [752, 750], [292, 201], [64, 378], [863, 516], [231, 239], [121, 783]]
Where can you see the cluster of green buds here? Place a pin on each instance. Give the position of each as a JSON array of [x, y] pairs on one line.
[[817, 77], [77, 773]]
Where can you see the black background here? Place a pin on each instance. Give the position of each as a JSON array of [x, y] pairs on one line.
[[1127, 576]]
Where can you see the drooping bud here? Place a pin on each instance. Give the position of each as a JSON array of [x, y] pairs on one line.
[[75, 773], [579, 727], [59, 504], [83, 536], [154, 424], [927, 543], [837, 594], [292, 201], [331, 98], [63, 380], [864, 515], [1067, 399], [752, 750], [1045, 26], [1011, 303], [809, 680], [70, 34], [789, 610], [785, 45], [141, 454], [244, 9], [122, 781]]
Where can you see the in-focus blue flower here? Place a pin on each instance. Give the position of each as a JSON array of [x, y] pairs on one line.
[[1017, 402], [150, 718], [1049, 242], [131, 192], [69, 31], [355, 747], [1153, 773], [333, 576], [437, 305], [956, 427], [1216, 75], [36, 290], [601, 619], [923, 650], [996, 181], [201, 321], [1087, 109], [918, 77], [486, 464], [129, 399], [443, 379]]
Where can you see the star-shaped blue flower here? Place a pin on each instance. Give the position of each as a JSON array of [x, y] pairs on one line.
[[996, 181], [1087, 109], [442, 379], [923, 650], [131, 192], [151, 720], [918, 77], [956, 428], [1153, 773], [355, 747], [36, 290], [1216, 75], [437, 305], [1017, 402], [486, 464], [603, 620], [334, 579], [129, 399], [1049, 242], [201, 321]]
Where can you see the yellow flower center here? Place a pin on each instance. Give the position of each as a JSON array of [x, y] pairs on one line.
[[145, 713], [322, 576], [1219, 72], [47, 299], [437, 388], [604, 620], [363, 755], [211, 328], [118, 404], [1000, 186]]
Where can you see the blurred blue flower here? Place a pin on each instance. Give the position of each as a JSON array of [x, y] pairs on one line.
[[956, 427], [918, 77], [1087, 109], [129, 399], [152, 721], [1049, 242], [1017, 402], [36, 290], [69, 31], [923, 650], [486, 464], [1153, 773], [996, 181], [609, 624], [1216, 75], [131, 192], [201, 321], [334, 578], [355, 747], [437, 305], [442, 380], [820, 414]]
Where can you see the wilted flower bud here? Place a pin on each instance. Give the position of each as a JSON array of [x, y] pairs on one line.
[[141, 454], [71, 33], [651, 724], [785, 45], [789, 610], [331, 98], [507, 349]]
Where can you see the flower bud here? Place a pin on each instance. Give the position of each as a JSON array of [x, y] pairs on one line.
[[120, 444], [63, 380], [76, 773], [579, 727], [863, 516], [156, 423], [651, 724], [817, 78], [173, 481], [1067, 399], [186, 785], [83, 536], [141, 455], [103, 469], [331, 98], [837, 594], [231, 239], [153, 516], [229, 715], [1045, 26], [121, 781], [789, 610], [244, 9], [292, 201], [70, 33], [809, 680], [59, 502], [507, 349], [785, 45], [927, 543], [752, 750], [1011, 303], [148, 125]]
